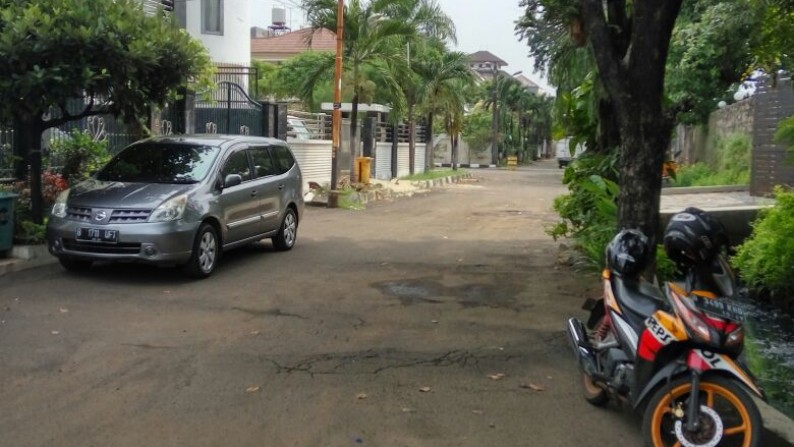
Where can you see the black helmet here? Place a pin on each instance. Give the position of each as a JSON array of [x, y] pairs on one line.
[[628, 253], [694, 236]]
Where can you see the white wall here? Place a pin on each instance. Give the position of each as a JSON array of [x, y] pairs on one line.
[[314, 159], [234, 46]]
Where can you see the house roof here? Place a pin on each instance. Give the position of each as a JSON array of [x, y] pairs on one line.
[[486, 56], [295, 42]]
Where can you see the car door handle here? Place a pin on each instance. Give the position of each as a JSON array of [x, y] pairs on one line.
[[253, 193], [280, 187]]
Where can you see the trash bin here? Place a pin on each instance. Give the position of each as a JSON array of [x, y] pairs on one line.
[[364, 169], [7, 220]]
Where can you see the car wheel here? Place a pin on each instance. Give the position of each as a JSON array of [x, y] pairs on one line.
[[288, 233], [205, 253], [75, 265]]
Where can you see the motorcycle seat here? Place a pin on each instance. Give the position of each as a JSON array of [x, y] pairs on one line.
[[641, 298]]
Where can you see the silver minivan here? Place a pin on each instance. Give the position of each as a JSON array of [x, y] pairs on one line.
[[180, 200]]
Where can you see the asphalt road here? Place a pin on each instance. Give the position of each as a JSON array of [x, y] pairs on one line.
[[435, 320]]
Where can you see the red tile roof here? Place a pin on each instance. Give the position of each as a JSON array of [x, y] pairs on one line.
[[293, 43]]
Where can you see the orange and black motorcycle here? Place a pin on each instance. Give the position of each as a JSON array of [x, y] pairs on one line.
[[672, 353]]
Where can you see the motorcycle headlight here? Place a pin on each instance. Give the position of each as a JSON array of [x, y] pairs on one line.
[[59, 207], [694, 323], [172, 209]]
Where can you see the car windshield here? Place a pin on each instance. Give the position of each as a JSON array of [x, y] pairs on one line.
[[160, 163]]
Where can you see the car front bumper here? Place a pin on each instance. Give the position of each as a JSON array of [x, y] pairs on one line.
[[154, 243]]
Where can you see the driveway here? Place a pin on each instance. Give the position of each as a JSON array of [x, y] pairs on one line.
[[436, 320]]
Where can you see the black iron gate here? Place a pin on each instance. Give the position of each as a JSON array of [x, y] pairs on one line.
[[229, 110]]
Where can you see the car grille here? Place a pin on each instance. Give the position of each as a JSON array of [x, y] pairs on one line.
[[93, 247], [117, 216]]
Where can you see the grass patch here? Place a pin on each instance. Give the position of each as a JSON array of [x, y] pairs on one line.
[[349, 200], [434, 174], [775, 378]]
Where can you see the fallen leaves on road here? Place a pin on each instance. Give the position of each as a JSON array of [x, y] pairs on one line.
[[424, 389], [252, 389], [361, 396], [497, 376], [532, 386]]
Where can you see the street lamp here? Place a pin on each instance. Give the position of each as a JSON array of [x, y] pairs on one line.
[[495, 120], [333, 198]]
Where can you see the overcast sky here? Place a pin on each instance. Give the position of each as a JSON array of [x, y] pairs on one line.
[[481, 25]]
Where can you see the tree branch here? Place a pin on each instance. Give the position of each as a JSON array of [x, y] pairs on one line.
[[67, 117], [610, 63], [650, 42]]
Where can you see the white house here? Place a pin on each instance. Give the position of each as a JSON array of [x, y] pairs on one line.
[[223, 26]]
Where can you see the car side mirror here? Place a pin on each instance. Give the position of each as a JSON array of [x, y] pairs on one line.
[[232, 180]]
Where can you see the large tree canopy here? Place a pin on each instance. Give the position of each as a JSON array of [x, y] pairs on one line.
[[109, 52]]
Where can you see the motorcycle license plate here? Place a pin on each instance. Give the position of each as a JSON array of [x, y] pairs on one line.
[[724, 308]]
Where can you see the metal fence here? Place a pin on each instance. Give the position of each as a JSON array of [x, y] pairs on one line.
[[6, 153]]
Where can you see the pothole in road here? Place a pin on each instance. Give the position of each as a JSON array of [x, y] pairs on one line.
[[411, 292]]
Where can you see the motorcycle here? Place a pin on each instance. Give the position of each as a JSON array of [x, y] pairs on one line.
[[671, 352]]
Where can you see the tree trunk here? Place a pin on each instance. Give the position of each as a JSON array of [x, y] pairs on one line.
[[411, 140], [30, 129], [608, 137], [453, 139], [645, 138], [353, 135], [631, 63], [429, 149]]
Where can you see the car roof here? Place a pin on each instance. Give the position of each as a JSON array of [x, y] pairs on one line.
[[216, 139]]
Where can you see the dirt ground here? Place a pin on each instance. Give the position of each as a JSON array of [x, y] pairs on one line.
[[435, 320]]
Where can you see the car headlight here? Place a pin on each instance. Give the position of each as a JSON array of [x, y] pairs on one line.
[[172, 209], [59, 208]]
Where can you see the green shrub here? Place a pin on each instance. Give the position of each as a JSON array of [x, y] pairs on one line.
[[785, 135], [79, 155], [588, 214], [732, 167], [766, 259]]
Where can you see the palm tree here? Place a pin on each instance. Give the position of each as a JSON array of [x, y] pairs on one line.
[[441, 74], [452, 105], [371, 41]]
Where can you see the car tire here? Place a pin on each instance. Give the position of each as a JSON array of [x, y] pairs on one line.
[[74, 264], [205, 254], [285, 239]]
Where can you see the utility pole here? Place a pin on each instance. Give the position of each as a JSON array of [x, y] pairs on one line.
[[333, 197]]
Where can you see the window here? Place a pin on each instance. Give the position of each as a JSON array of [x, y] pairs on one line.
[[284, 158], [212, 16], [237, 164], [263, 164]]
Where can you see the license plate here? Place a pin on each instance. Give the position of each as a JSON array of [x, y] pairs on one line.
[[97, 235], [725, 308]]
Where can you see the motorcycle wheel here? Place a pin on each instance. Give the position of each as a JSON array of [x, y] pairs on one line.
[[728, 415], [591, 392]]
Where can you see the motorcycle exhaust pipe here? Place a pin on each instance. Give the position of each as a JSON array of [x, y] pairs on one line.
[[581, 346]]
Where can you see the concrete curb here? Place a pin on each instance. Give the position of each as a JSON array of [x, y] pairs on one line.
[[374, 195], [671, 191], [776, 424], [24, 257]]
